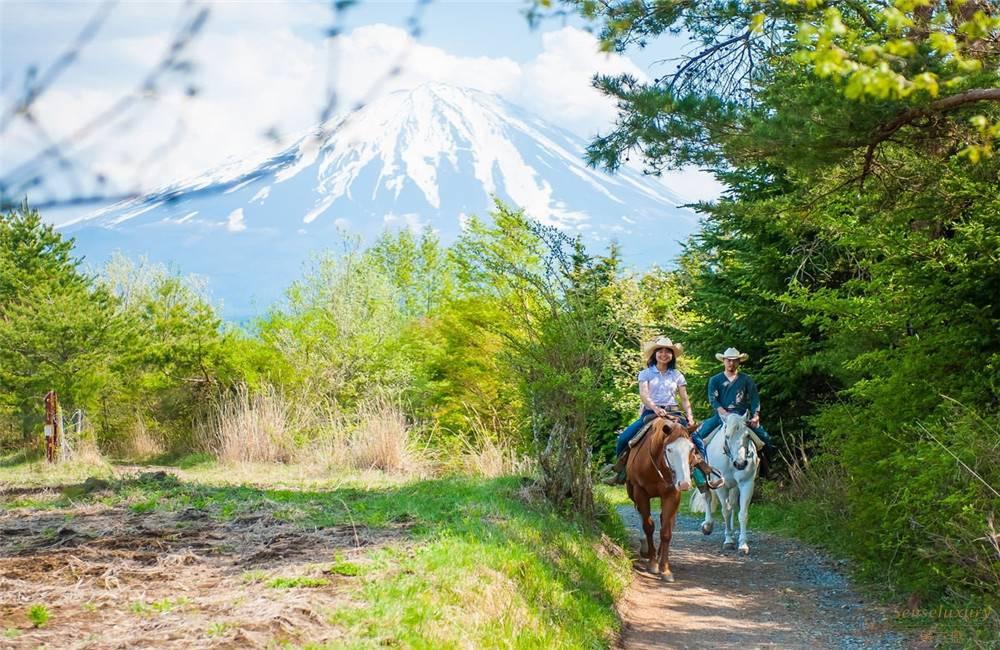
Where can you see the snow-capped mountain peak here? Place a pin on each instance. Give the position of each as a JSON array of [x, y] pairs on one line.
[[422, 157]]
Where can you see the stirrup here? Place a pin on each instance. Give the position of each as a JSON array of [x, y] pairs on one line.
[[701, 479], [618, 478]]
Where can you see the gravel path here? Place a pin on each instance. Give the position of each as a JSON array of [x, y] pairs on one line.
[[784, 595]]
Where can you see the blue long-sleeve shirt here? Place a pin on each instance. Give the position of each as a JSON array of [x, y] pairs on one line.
[[736, 396]]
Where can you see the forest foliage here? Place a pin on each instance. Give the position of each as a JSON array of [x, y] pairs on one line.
[[854, 253]]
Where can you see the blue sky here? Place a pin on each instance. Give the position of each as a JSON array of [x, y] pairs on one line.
[[264, 66]]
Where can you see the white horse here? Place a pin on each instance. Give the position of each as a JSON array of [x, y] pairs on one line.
[[733, 453]]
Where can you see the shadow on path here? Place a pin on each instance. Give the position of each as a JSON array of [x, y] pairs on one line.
[[783, 595]]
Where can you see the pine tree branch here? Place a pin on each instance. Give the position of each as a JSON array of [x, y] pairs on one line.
[[886, 131], [862, 12]]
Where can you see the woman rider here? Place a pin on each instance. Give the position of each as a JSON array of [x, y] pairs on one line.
[[660, 386]]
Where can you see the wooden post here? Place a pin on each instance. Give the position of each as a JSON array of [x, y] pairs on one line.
[[53, 426]]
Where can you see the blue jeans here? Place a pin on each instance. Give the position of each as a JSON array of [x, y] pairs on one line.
[[633, 429], [713, 422]]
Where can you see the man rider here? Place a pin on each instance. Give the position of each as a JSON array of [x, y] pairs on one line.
[[731, 391]]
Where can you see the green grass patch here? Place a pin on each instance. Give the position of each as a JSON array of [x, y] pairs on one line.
[[218, 629], [344, 567], [452, 562], [296, 582], [192, 461], [253, 577], [163, 606], [39, 615]]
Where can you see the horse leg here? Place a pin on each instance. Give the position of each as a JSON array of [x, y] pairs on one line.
[[668, 512], [708, 524], [727, 517], [746, 493], [642, 504]]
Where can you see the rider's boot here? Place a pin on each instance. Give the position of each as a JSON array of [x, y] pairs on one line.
[[618, 478], [703, 476]]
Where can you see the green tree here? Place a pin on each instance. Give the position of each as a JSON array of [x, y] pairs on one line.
[[57, 331], [568, 323]]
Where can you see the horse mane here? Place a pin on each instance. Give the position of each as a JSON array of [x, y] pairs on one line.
[[734, 420], [662, 432], [665, 431]]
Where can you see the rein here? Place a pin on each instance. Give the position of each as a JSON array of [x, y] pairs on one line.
[[652, 460]]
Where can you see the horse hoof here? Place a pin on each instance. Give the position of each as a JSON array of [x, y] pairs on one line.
[[728, 546], [744, 549], [706, 529], [667, 577]]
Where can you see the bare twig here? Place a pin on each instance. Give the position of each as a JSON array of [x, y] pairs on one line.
[[960, 461]]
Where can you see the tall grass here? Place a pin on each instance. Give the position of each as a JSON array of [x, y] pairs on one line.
[[382, 438], [267, 426], [141, 442], [250, 427], [486, 453]]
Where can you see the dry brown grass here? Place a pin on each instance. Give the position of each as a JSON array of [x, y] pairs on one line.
[[141, 442], [251, 427], [84, 451], [382, 438], [488, 457], [487, 452], [268, 427]]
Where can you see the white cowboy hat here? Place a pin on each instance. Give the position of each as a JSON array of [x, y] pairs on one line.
[[650, 348], [732, 353]]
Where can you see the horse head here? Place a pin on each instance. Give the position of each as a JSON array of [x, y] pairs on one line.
[[738, 445], [678, 452]]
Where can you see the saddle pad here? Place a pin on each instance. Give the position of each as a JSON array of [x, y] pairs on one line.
[[707, 439], [640, 433]]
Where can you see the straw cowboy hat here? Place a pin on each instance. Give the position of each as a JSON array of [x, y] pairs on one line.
[[732, 353], [650, 348]]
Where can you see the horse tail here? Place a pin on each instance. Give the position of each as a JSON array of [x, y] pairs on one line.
[[697, 503]]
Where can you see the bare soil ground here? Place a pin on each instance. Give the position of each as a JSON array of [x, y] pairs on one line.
[[114, 578], [783, 595]]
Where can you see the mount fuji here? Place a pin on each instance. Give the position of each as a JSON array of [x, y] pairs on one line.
[[428, 157]]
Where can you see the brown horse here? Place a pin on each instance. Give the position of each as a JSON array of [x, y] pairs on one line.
[[659, 466]]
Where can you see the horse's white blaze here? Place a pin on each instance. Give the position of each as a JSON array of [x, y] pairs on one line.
[[677, 455], [739, 483]]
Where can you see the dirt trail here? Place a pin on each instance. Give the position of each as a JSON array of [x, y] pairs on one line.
[[784, 595]]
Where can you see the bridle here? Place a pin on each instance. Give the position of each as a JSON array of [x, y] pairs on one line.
[[667, 441], [729, 450]]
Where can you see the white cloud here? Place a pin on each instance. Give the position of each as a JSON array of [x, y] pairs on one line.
[[557, 83], [236, 222], [260, 66], [693, 185]]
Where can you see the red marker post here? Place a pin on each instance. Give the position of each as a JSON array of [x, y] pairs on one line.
[[52, 426]]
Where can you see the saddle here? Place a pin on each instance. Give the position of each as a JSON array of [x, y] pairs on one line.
[[647, 422], [757, 442]]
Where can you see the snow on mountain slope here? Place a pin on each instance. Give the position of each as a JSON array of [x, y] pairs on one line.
[[426, 157]]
